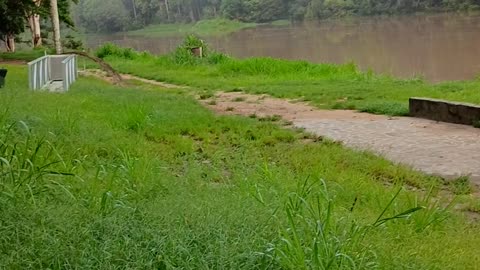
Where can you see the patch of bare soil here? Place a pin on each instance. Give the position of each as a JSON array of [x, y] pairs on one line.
[[245, 104], [161, 84], [12, 62], [443, 149], [104, 76]]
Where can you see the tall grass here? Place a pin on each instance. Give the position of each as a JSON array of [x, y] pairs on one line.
[[314, 240], [324, 85], [25, 55], [142, 177], [27, 165], [320, 235]]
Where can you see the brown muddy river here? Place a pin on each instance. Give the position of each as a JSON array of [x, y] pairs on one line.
[[437, 47]]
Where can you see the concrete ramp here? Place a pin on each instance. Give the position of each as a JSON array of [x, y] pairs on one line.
[[54, 73]]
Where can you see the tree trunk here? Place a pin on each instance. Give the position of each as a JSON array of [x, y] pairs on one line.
[[167, 9], [56, 26], [192, 16], [34, 24], [179, 12], [117, 78], [10, 43], [134, 10]]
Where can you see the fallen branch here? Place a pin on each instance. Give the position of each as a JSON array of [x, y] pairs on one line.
[[103, 65]]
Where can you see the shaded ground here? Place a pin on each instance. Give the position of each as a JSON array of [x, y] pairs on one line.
[[12, 62], [443, 149]]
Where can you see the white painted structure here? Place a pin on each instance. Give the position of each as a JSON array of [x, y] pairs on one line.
[[53, 72], [69, 71]]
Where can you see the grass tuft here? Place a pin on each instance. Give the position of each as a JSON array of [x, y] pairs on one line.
[[148, 178], [323, 85]]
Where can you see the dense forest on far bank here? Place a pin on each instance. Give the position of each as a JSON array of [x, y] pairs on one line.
[[120, 15]]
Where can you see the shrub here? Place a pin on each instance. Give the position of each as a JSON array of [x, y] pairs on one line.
[[215, 58], [183, 54], [109, 49], [71, 43], [192, 41]]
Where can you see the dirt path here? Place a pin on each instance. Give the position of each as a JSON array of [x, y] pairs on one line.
[[443, 149], [103, 75], [12, 62], [436, 148]]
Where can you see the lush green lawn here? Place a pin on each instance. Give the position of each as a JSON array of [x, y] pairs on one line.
[[326, 86], [23, 55], [204, 28], [30, 55], [143, 177]]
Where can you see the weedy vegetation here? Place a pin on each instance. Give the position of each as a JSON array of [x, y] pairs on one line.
[[142, 177], [323, 85]]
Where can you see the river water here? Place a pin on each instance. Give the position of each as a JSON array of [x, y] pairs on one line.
[[438, 47]]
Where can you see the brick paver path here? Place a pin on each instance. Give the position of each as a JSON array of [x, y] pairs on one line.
[[448, 150], [443, 149]]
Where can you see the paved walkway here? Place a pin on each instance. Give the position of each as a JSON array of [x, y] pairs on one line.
[[443, 149]]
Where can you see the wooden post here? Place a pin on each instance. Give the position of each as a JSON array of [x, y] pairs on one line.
[[198, 51]]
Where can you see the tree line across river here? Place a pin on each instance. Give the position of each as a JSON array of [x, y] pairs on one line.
[[119, 15], [18, 16]]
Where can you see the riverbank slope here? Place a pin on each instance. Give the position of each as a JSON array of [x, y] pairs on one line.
[[323, 85], [148, 178]]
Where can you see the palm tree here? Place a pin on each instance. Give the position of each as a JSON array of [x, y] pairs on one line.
[[56, 26]]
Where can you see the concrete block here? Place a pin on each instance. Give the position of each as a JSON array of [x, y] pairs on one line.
[[444, 111]]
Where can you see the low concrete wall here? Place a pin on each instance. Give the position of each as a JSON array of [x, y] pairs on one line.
[[445, 111]]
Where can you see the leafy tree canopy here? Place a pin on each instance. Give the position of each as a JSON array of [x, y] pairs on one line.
[[139, 13]]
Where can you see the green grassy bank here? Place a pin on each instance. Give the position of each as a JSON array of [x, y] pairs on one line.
[[141, 177], [23, 55], [324, 85], [211, 27]]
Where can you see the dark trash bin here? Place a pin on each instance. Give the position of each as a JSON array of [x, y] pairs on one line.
[[3, 74]]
